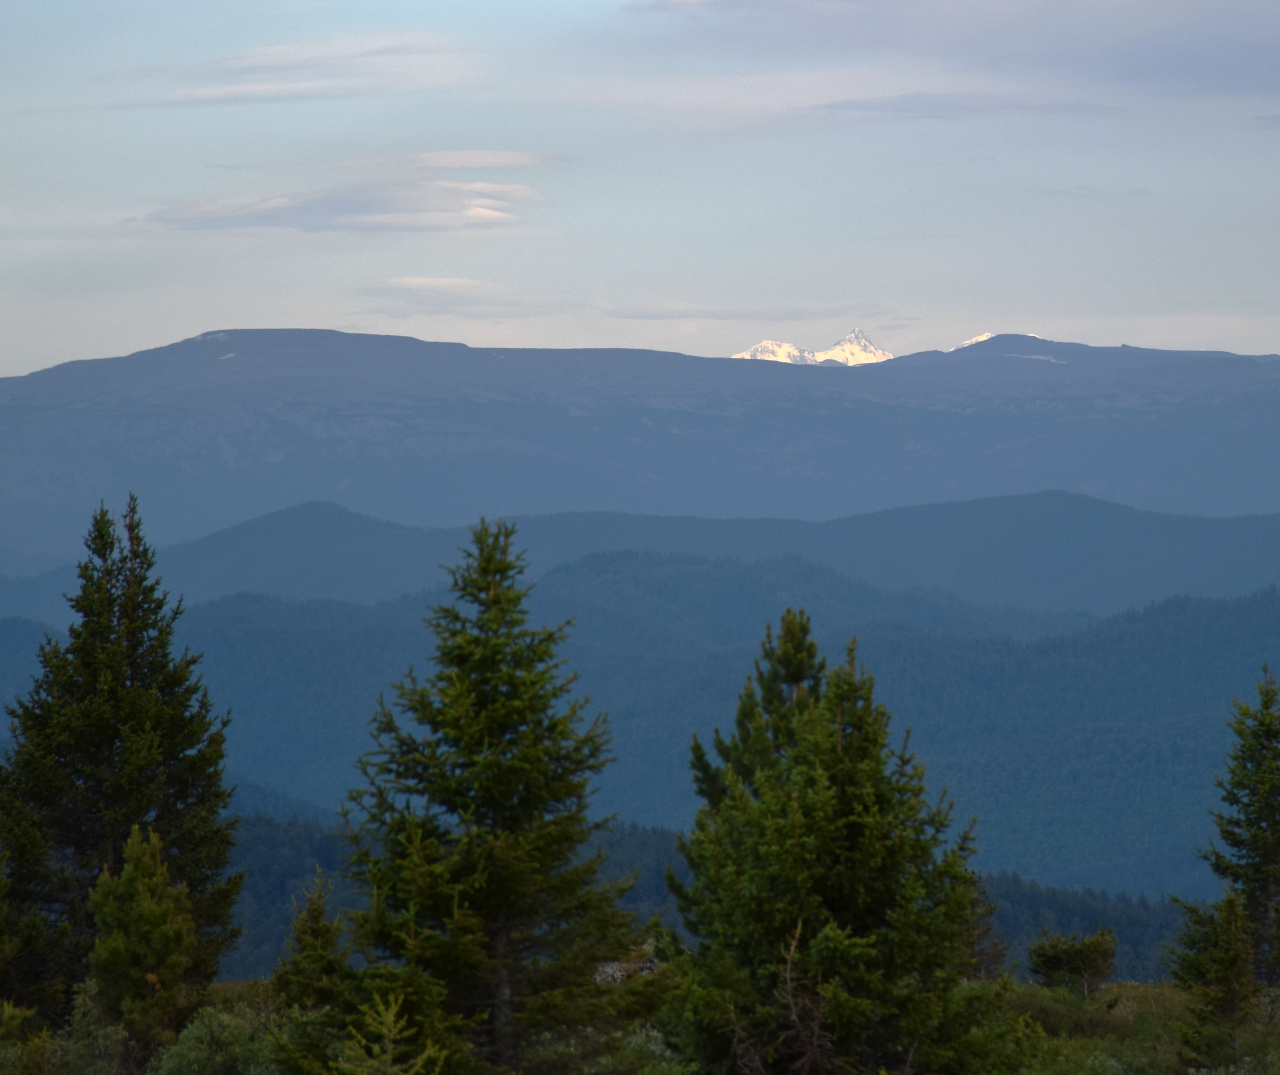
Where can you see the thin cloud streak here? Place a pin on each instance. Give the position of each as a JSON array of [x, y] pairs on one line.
[[400, 201], [414, 296], [1178, 45], [477, 158], [693, 312], [953, 106], [348, 66]]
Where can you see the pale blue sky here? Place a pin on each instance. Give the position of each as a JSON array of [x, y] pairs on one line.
[[686, 175]]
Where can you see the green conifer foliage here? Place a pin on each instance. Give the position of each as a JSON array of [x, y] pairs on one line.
[[383, 1043], [116, 732], [318, 988], [1073, 961], [1215, 964], [316, 971], [473, 821], [12, 1017], [835, 919], [145, 946], [1249, 826], [1227, 951]]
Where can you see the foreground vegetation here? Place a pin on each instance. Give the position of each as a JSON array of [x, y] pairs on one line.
[[279, 858], [830, 920], [1125, 1029]]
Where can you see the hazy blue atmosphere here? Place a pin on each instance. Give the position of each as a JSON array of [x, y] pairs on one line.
[[943, 334], [928, 171]]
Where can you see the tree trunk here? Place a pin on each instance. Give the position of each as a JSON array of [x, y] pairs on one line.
[[504, 1045]]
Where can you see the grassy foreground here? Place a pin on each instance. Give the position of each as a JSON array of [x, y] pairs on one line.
[[1134, 1028]]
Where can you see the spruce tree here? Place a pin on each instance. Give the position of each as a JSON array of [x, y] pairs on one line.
[[145, 946], [1215, 966], [1226, 951], [1249, 826], [317, 986], [472, 826], [117, 731], [835, 919]]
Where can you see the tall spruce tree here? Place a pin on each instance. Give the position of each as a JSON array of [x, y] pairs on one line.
[[835, 920], [1226, 951], [117, 731], [471, 832], [1249, 824]]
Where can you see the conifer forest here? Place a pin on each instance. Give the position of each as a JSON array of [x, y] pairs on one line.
[[468, 912]]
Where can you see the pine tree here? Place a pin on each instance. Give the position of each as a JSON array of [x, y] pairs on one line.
[[472, 827], [145, 946], [836, 922], [116, 732], [1249, 826]]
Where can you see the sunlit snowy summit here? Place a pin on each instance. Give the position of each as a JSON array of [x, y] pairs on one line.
[[854, 350], [970, 343]]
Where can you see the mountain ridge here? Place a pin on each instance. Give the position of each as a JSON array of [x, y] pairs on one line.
[[229, 426], [1051, 551]]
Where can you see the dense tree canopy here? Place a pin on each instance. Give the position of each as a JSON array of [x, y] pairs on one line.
[[116, 732], [836, 921], [472, 824]]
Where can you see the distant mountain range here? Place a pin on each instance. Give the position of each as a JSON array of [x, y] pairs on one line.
[[229, 426], [1086, 746], [1054, 552], [1087, 754]]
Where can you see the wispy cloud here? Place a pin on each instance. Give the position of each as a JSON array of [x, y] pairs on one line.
[[960, 105], [476, 158], [398, 196], [1185, 45], [696, 312], [348, 66], [409, 296]]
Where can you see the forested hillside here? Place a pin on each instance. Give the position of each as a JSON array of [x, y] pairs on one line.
[[1087, 757], [280, 856], [1049, 551]]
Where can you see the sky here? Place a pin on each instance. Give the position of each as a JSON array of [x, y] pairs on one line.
[[692, 175]]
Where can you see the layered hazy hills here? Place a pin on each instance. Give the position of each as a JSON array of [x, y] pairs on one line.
[[1053, 552], [1085, 745], [228, 426], [1087, 754]]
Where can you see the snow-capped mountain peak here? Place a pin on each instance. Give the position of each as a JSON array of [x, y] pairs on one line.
[[854, 350], [773, 351]]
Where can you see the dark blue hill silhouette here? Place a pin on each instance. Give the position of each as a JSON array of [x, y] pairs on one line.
[[1052, 551], [231, 425]]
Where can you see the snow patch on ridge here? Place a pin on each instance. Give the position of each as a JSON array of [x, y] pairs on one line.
[[970, 343]]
